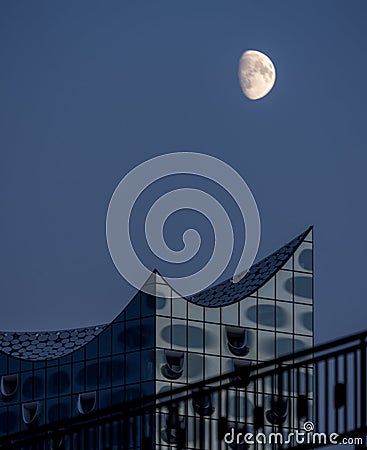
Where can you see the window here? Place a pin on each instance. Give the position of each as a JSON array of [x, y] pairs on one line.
[[174, 366], [9, 385], [87, 402], [237, 340], [30, 412]]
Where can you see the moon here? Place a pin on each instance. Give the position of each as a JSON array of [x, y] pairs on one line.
[[256, 73]]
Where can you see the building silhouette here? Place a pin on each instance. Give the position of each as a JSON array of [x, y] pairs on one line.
[[160, 342]]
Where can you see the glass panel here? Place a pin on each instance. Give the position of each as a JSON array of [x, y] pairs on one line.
[[268, 290], [78, 355], [248, 312], [65, 410], [65, 379], [212, 339], [133, 308], [118, 396], [52, 410], [91, 349], [230, 314], [160, 362], [179, 334], [38, 365], [105, 342], [91, 375], [132, 392], [163, 330], [303, 319], [266, 345], [309, 236], [118, 343], [64, 360], [147, 333], [147, 365], [27, 386], [133, 367], [148, 304], [303, 258], [284, 344], [26, 365], [104, 398], [133, 335], [147, 388], [195, 334], [163, 300], [105, 372], [284, 285], [303, 288], [117, 370], [226, 365], [266, 314], [212, 366], [284, 316], [14, 365], [195, 312], [302, 343], [52, 381], [39, 384], [289, 264], [120, 318], [212, 315], [78, 377], [14, 419], [179, 307], [195, 367]]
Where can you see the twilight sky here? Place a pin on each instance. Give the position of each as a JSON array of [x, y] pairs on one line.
[[88, 90]]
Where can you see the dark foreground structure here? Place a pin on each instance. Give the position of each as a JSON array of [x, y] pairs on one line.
[[202, 416]]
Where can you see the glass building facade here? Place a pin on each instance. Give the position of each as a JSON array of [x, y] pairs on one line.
[[160, 342]]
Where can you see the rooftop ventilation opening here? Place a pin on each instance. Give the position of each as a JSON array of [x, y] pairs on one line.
[[243, 372], [87, 402], [174, 366], [278, 411], [30, 412], [9, 385], [237, 341]]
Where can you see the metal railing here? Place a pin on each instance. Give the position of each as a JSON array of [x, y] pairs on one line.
[[310, 399]]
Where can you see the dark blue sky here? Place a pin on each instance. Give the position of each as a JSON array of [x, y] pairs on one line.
[[88, 90]]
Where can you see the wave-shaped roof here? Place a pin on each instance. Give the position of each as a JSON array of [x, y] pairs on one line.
[[46, 345], [228, 292]]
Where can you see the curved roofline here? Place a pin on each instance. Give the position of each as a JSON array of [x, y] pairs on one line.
[[32, 347], [37, 346], [268, 267]]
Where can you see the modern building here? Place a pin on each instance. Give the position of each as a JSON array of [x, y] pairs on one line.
[[159, 342]]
